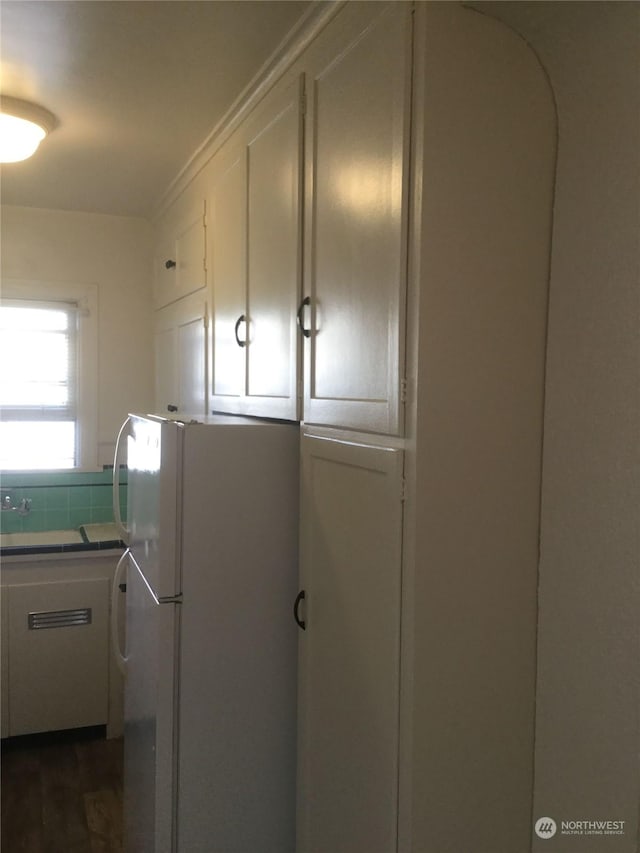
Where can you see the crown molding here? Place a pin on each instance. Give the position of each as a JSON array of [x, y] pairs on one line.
[[288, 51]]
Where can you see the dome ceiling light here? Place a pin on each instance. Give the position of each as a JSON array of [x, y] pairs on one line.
[[23, 126]]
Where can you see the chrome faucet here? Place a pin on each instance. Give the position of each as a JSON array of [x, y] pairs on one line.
[[23, 508]]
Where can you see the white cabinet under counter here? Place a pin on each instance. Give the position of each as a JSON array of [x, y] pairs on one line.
[[57, 668], [58, 655]]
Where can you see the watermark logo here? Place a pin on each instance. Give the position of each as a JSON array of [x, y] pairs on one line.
[[545, 827]]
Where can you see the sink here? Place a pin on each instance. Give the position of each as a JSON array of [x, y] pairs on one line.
[[41, 537]]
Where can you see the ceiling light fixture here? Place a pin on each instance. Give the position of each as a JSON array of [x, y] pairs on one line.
[[23, 126]]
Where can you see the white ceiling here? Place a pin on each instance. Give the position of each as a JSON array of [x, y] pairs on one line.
[[136, 85]]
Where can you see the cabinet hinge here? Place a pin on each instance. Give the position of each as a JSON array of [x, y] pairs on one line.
[[403, 390], [204, 220]]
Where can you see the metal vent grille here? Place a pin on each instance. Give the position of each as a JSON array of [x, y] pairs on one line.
[[59, 618]]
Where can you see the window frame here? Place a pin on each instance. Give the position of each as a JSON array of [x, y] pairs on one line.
[[85, 296]]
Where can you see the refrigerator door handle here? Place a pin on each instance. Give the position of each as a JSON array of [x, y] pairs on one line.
[[121, 659], [117, 515]]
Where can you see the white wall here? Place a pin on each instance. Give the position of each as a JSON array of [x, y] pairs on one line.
[[587, 734], [113, 252]]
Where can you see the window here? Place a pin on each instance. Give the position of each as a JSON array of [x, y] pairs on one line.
[[45, 417]]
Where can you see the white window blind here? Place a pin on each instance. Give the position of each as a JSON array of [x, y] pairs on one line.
[[38, 384]]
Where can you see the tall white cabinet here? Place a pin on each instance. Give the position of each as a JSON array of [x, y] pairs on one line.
[[453, 769], [386, 209], [357, 162]]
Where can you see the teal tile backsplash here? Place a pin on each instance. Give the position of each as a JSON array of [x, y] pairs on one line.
[[60, 500]]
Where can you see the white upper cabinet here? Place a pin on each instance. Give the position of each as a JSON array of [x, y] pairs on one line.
[[254, 246], [356, 205], [180, 265], [181, 357], [227, 239]]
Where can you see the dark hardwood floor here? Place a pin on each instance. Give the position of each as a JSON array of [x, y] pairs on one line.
[[62, 793]]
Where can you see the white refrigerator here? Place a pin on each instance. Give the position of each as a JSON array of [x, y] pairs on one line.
[[210, 652]]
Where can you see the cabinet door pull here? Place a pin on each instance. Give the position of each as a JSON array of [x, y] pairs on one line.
[[241, 319], [169, 265], [172, 408], [305, 301], [299, 622]]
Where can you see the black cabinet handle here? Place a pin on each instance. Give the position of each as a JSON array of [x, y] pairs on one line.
[[305, 301], [169, 265], [241, 319], [299, 622], [122, 587], [172, 408]]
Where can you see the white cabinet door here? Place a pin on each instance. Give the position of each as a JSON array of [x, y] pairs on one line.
[[357, 146], [180, 264], [255, 261], [59, 647], [226, 235], [274, 257], [192, 356], [166, 365], [350, 648], [4, 663], [181, 357]]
